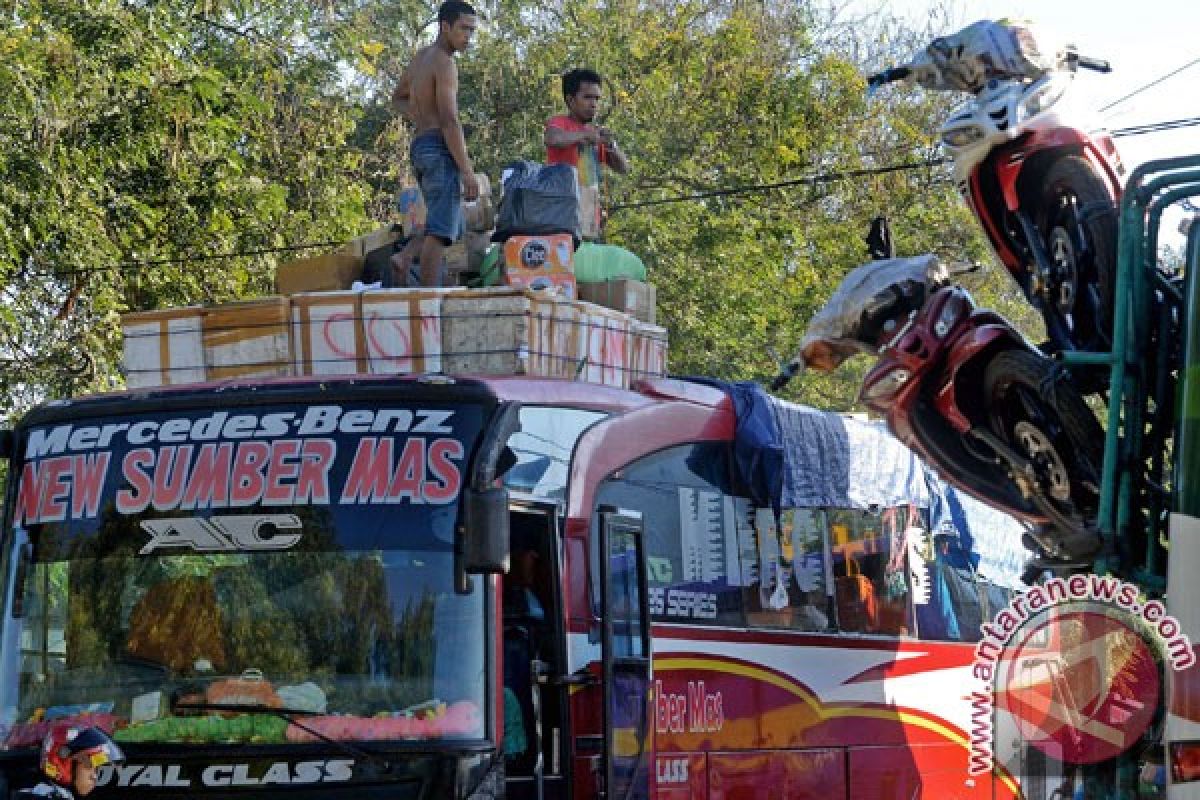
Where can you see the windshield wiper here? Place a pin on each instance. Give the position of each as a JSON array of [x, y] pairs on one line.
[[289, 715]]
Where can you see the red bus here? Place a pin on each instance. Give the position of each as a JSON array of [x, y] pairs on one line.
[[295, 588]]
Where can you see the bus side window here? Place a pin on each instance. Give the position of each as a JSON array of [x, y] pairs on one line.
[[784, 567], [870, 571], [684, 496]]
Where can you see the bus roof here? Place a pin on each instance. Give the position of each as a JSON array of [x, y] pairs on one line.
[[522, 389]]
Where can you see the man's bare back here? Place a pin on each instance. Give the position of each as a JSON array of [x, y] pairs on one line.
[[431, 66]]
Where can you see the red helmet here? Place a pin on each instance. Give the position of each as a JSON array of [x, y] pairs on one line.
[[65, 744]]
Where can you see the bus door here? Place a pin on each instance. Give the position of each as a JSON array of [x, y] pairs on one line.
[[534, 641], [626, 653]]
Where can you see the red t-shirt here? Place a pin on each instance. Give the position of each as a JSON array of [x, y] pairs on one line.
[[586, 158]]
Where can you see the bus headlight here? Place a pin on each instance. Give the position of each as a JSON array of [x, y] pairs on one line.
[[951, 313]]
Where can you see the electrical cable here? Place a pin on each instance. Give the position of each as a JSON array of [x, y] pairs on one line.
[[144, 264], [809, 180], [1155, 127], [1151, 84], [828, 177]]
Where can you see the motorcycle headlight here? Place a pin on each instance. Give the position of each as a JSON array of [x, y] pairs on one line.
[[1040, 98], [887, 386], [950, 314], [964, 136]]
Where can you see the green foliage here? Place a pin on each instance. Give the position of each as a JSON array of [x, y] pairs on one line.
[[140, 130], [155, 131]]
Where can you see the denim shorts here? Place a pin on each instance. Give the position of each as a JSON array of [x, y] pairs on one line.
[[437, 175]]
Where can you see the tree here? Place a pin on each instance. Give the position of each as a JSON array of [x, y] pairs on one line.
[[140, 137], [139, 134]]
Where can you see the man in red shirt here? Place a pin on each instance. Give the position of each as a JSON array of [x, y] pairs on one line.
[[573, 138]]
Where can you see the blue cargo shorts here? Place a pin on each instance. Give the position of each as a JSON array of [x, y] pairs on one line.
[[438, 177]]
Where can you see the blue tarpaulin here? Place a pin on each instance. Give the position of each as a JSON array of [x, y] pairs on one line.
[[793, 456]]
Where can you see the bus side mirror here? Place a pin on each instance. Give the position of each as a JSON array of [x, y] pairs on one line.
[[6, 444], [485, 531]]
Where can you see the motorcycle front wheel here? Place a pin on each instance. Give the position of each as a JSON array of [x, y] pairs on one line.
[[1078, 223], [1048, 422]]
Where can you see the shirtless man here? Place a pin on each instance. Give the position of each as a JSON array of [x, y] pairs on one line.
[[428, 95]]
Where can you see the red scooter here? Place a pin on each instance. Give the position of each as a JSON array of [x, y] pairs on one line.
[[1043, 182], [969, 394]]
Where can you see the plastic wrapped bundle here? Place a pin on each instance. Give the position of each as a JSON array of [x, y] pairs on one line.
[[538, 199], [989, 49], [846, 324]]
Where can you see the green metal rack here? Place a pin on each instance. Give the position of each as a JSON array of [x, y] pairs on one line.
[[1143, 362]]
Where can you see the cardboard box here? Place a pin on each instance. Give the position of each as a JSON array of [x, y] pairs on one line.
[[383, 235], [329, 272], [554, 253], [248, 339], [634, 297], [541, 262], [327, 334], [164, 347], [402, 329], [557, 283]]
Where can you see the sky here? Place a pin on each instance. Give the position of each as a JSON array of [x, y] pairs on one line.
[[1142, 39]]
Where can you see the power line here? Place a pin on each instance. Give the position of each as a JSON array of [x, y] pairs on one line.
[[827, 177], [144, 264], [1156, 127], [1151, 84]]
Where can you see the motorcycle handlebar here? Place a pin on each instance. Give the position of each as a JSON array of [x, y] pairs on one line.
[[888, 76], [1094, 64]]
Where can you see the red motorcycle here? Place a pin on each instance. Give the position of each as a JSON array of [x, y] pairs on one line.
[[969, 394], [1043, 182]]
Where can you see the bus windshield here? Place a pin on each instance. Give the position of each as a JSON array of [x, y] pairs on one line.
[[164, 569]]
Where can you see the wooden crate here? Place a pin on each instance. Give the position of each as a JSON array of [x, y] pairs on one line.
[[327, 334], [403, 329], [163, 347], [605, 345], [505, 331], [647, 351], [488, 332], [248, 339]]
